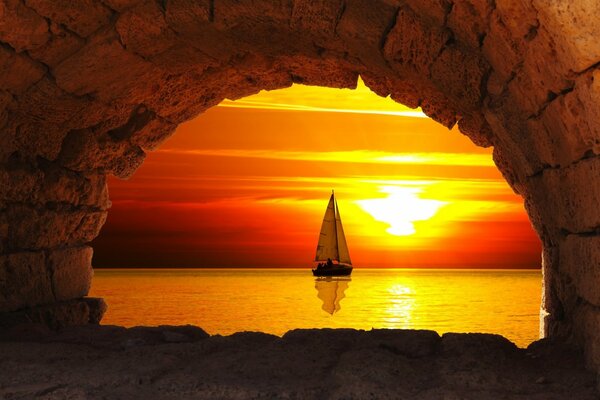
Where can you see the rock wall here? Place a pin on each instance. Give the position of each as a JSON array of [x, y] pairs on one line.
[[87, 87]]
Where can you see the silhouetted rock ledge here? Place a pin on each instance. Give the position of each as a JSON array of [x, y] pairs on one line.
[[181, 362]]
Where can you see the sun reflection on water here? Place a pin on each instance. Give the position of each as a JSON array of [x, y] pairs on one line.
[[275, 301], [399, 313]]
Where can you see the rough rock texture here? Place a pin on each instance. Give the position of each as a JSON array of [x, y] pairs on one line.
[[86, 87], [58, 315], [180, 362]]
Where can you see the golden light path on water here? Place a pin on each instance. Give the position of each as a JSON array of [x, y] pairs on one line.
[[224, 301]]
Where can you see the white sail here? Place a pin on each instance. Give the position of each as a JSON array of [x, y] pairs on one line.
[[327, 246], [342, 246]]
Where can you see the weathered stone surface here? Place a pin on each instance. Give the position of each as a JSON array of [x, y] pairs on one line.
[[32, 228], [469, 20], [477, 129], [153, 134], [411, 47], [61, 45], [144, 31], [572, 30], [256, 365], [21, 27], [3, 232], [561, 137], [461, 76], [92, 70], [71, 271], [86, 87], [362, 28], [24, 281], [17, 71], [580, 260], [37, 322], [320, 17], [82, 17], [569, 201]]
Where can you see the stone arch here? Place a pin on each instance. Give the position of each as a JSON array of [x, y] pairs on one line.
[[87, 87]]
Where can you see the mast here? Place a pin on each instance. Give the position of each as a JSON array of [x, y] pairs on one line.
[[342, 246], [335, 231]]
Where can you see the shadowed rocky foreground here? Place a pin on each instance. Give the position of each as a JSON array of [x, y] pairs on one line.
[[109, 362]]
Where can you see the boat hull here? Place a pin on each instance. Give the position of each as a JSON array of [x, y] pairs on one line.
[[335, 271]]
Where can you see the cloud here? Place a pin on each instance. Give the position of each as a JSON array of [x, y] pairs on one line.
[[351, 156], [261, 105]]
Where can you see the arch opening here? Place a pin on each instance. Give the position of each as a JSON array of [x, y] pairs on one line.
[[244, 185]]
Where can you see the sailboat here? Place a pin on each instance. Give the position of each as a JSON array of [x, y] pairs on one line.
[[332, 255]]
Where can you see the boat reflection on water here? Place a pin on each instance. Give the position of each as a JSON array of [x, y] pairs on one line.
[[331, 291]]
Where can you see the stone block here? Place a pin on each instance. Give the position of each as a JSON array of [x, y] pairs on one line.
[[500, 51], [562, 134], [24, 281], [31, 228], [61, 45], [97, 307], [258, 26], [585, 327], [434, 12], [461, 75], [187, 15], [572, 29], [568, 197], [233, 14], [92, 70], [35, 323], [192, 20], [317, 17], [469, 21], [17, 71], [411, 46], [580, 260], [71, 271], [362, 29], [45, 112], [144, 31], [21, 27], [83, 17]]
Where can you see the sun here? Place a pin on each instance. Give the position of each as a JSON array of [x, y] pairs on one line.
[[401, 208]]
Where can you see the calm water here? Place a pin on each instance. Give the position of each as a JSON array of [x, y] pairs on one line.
[[224, 301]]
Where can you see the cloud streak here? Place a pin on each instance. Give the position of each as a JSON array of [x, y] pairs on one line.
[[261, 105], [352, 156]]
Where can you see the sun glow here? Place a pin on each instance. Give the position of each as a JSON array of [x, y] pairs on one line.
[[401, 208], [246, 185]]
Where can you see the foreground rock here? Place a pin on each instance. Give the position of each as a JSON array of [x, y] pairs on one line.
[[182, 362]]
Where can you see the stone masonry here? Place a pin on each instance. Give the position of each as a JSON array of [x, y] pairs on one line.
[[88, 87]]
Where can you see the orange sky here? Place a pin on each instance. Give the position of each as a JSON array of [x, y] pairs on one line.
[[247, 183]]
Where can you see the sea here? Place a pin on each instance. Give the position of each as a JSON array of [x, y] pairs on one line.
[[224, 301]]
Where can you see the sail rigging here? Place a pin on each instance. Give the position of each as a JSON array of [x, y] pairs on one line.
[[342, 246], [332, 241]]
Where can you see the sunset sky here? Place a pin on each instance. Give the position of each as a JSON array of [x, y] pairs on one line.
[[246, 185]]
